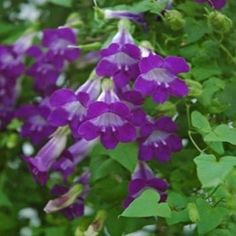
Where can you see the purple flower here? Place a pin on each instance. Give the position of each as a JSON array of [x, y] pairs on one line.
[[23, 44], [36, 126], [120, 59], [45, 75], [10, 63], [142, 179], [122, 14], [48, 154], [158, 140], [159, 77], [71, 107], [11, 68], [69, 159], [58, 41], [70, 201], [217, 4], [108, 118]]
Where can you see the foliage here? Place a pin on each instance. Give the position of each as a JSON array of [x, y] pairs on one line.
[[201, 198]]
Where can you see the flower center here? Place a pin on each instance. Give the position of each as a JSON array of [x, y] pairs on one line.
[[156, 137], [108, 119], [121, 59], [159, 75]]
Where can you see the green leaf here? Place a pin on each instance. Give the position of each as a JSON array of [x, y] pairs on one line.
[[212, 172], [178, 217], [195, 29], [222, 133], [6, 221], [124, 154], [217, 147], [210, 217], [210, 87], [206, 70], [146, 205], [55, 231], [64, 3], [4, 200], [200, 122]]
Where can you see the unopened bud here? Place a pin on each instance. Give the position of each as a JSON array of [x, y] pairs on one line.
[[195, 88], [220, 22], [174, 19]]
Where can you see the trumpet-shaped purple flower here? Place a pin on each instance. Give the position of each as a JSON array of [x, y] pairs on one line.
[[76, 153], [120, 59], [108, 118], [46, 157], [71, 107], [58, 42], [36, 127], [70, 201], [159, 77], [217, 4], [142, 179], [158, 140]]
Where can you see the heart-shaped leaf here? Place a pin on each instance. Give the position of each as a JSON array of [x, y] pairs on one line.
[[222, 133], [147, 205], [212, 172], [210, 217]]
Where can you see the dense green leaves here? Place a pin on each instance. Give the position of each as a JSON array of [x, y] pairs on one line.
[[202, 187]]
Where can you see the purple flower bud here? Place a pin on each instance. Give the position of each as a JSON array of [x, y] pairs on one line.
[[158, 140], [46, 157], [142, 179], [122, 14], [108, 118], [70, 201], [217, 4], [159, 77], [120, 59], [76, 153]]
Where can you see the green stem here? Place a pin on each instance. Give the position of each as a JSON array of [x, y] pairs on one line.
[[193, 142]]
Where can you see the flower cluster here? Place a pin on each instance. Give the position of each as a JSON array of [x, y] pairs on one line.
[[11, 68], [52, 57], [107, 108]]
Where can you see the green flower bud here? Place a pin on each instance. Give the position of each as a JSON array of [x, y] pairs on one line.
[[195, 88], [193, 212], [174, 19], [219, 22], [74, 20]]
